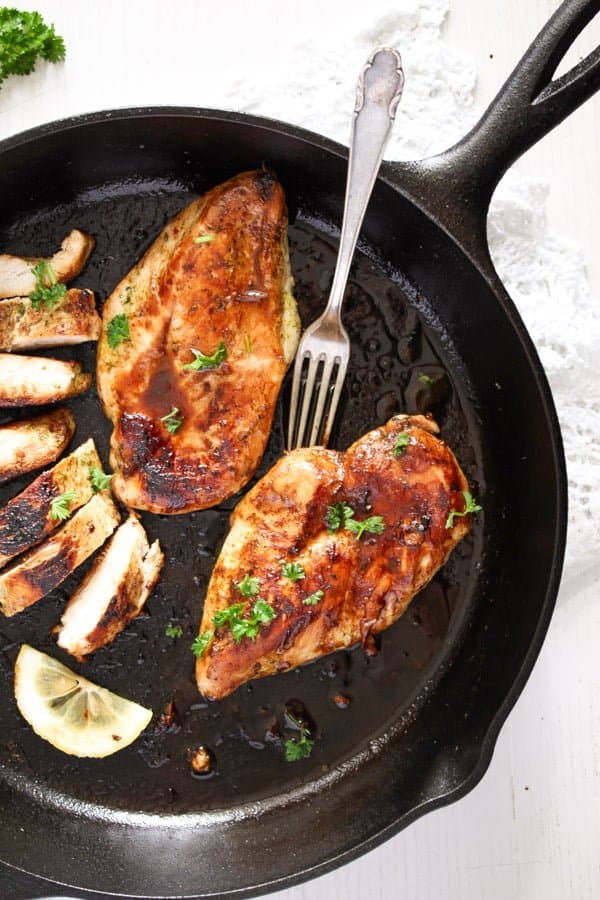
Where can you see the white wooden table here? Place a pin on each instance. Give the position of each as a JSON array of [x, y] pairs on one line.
[[531, 830]]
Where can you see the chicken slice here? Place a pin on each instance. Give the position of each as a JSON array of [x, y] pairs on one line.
[[33, 380], [17, 278], [72, 320], [113, 592], [348, 586], [44, 568], [216, 283], [27, 519], [33, 443]]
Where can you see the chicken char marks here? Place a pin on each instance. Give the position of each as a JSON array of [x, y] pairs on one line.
[[366, 582], [216, 277]]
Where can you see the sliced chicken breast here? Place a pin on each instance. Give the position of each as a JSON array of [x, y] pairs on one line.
[[195, 345], [44, 568], [17, 278], [113, 592], [33, 380], [327, 549], [28, 518], [72, 320], [32, 443]]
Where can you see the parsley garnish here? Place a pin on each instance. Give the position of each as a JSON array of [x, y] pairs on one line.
[[117, 331], [313, 599], [205, 238], [402, 442], [98, 480], [174, 631], [244, 626], [25, 37], [201, 643], [47, 289], [293, 570], [374, 525], [427, 380], [337, 516], [202, 361], [301, 747], [172, 421], [471, 506], [248, 587], [59, 507]]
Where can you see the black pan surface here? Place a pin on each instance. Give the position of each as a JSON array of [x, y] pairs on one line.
[[425, 710]]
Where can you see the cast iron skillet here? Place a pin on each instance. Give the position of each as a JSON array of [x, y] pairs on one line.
[[425, 712]]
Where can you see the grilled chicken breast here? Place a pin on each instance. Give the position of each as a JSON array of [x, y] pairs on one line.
[[216, 283], [33, 380], [72, 320], [44, 568], [349, 585], [113, 592], [27, 519], [33, 443], [17, 278]]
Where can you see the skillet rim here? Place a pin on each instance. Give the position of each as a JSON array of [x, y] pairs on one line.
[[391, 174]]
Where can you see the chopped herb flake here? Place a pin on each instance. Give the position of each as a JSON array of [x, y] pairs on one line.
[[47, 290], [172, 421], [117, 331], [174, 631], [59, 507], [98, 480], [248, 587], [427, 380], [471, 506], [313, 599], [202, 361], [293, 570], [337, 516], [205, 238], [202, 642], [300, 747], [374, 525], [402, 442]]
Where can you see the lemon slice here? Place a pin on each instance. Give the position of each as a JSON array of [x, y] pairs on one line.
[[73, 714]]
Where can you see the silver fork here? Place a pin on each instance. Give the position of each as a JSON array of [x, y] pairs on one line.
[[324, 351]]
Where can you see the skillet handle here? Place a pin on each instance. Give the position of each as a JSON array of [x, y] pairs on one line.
[[456, 187]]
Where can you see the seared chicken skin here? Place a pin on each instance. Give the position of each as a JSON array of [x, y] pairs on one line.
[[113, 592], [17, 278], [45, 567], [72, 320], [214, 290], [28, 518], [328, 582], [33, 380], [32, 443]]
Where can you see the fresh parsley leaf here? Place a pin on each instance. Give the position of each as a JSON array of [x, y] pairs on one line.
[[47, 289], [174, 631], [293, 570], [230, 614], [313, 599], [263, 612], [98, 480], [25, 37], [471, 506], [59, 507], [247, 343], [248, 587], [374, 525], [202, 361], [298, 748], [117, 330], [172, 421], [337, 516], [202, 642], [427, 380], [242, 628], [205, 238], [402, 442]]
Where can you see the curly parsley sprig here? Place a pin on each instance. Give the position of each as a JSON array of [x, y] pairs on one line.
[[47, 289], [25, 38]]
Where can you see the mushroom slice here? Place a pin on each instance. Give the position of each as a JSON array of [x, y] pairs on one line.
[[28, 518], [17, 278], [44, 568], [33, 443], [72, 320], [33, 380], [113, 592]]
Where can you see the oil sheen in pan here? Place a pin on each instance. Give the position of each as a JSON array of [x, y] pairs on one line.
[[348, 697]]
